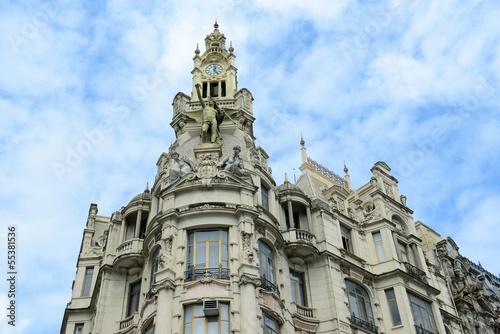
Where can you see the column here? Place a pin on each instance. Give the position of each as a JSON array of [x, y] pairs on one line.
[[123, 230], [396, 244], [416, 256], [138, 224], [249, 323], [164, 312], [309, 220], [290, 213]]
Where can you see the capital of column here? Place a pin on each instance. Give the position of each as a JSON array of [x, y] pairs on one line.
[[247, 279], [165, 284]]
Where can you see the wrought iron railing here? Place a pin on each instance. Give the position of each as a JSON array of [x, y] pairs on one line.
[[369, 326], [422, 330], [266, 285], [416, 273], [199, 273]]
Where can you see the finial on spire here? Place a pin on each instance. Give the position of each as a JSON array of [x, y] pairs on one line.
[[286, 179], [302, 142], [147, 187], [197, 49], [345, 168], [216, 25]]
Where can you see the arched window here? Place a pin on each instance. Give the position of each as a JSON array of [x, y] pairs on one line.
[[154, 266], [359, 302], [266, 257]]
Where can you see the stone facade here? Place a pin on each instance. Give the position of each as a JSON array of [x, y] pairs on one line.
[[226, 250]]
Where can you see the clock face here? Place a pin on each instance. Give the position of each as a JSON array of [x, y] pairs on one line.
[[213, 69]]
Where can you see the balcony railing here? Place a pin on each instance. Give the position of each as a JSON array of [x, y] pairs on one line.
[[304, 236], [266, 285], [422, 330], [129, 321], [416, 273], [199, 273], [303, 311], [369, 326], [129, 246]]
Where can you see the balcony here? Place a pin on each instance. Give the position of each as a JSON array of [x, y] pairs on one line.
[[416, 273], [299, 245], [363, 324], [304, 317], [128, 323], [199, 273], [129, 255], [422, 330], [267, 285], [303, 311]]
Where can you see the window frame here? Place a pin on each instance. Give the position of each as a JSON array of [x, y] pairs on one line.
[[155, 260], [295, 283], [392, 303], [379, 246], [268, 255], [346, 239], [264, 194], [403, 250], [81, 326], [223, 308], [428, 308], [134, 291], [88, 278], [193, 249], [264, 324], [364, 296]]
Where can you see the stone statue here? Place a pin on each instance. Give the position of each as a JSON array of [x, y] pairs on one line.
[[184, 166], [234, 165], [210, 117]]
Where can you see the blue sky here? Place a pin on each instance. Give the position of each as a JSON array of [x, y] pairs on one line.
[[412, 83]]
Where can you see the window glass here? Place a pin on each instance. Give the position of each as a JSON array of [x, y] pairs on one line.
[[297, 284], [422, 313], [154, 266], [265, 196], [207, 249], [87, 283], [133, 302], [379, 246], [393, 307], [346, 239], [269, 325], [404, 252], [266, 262], [359, 301], [195, 321]]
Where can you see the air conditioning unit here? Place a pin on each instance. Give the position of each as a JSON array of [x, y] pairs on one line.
[[211, 307]]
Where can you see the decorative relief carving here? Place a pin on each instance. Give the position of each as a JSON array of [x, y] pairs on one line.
[[207, 168], [345, 270], [180, 167], [166, 256], [247, 250], [259, 229], [246, 279], [388, 190]]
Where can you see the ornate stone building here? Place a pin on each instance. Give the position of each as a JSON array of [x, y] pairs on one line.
[[216, 246]]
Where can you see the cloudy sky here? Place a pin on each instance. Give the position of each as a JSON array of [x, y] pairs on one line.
[[412, 83]]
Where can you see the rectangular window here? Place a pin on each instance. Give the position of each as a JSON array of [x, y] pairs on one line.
[[265, 196], [223, 88], [297, 283], [208, 254], [393, 306], [346, 239], [195, 321], [205, 89], [87, 281], [379, 246], [404, 252], [214, 89], [269, 326], [422, 313], [133, 298], [150, 329], [79, 329], [295, 217]]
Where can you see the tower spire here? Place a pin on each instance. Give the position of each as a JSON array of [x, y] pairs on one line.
[[303, 150]]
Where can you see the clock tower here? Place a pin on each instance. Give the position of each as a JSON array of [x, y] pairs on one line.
[[214, 70]]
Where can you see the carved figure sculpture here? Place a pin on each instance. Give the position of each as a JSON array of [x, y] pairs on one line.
[[184, 166], [210, 117], [234, 165]]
